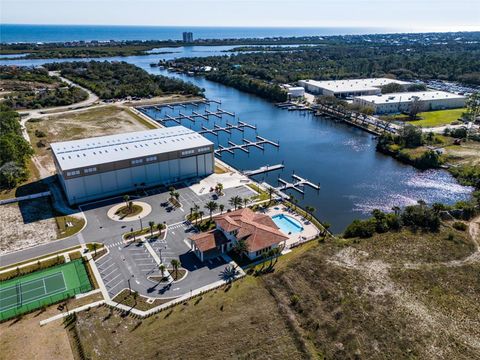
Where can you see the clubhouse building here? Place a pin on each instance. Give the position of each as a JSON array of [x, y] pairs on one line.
[[100, 167], [258, 231]]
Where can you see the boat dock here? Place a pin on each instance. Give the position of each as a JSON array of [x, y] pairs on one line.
[[297, 184], [216, 129], [263, 169], [260, 141], [183, 104]]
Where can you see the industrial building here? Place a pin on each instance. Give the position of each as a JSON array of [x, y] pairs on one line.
[[294, 91], [401, 102], [104, 166], [349, 88]]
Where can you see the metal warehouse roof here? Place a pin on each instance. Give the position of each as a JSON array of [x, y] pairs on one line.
[[409, 96], [339, 86], [107, 149]]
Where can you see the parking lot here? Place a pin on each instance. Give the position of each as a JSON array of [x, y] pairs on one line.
[[130, 265]]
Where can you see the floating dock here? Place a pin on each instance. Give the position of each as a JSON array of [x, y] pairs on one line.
[[216, 129], [246, 145], [263, 169], [298, 184]]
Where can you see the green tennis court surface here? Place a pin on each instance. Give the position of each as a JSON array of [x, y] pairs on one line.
[[42, 288]]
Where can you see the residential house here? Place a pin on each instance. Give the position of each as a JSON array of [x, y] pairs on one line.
[[258, 231]]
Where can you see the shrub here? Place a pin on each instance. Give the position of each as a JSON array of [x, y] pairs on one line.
[[39, 133], [360, 228], [458, 225], [294, 299]]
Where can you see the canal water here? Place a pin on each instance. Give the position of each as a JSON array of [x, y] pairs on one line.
[[354, 178]]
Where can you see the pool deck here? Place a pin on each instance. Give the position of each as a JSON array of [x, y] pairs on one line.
[[309, 230]]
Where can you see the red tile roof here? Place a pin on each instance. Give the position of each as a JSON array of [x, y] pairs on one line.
[[209, 240], [258, 230]]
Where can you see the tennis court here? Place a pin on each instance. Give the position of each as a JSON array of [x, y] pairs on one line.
[[42, 288]]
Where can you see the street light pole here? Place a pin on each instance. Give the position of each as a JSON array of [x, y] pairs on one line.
[[141, 225]]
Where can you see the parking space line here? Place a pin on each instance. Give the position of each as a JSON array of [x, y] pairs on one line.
[[109, 281], [109, 266], [110, 273]]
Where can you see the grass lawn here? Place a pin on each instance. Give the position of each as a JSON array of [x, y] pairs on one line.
[[438, 118]]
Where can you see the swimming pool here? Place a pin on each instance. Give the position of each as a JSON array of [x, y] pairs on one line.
[[287, 224]]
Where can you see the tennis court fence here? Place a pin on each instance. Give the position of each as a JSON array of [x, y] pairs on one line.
[[23, 308]]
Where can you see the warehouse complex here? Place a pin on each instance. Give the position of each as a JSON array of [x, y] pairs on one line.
[[349, 88], [401, 102], [103, 166]]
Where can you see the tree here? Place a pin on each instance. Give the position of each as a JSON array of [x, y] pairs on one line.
[[219, 188], [151, 224], [411, 136], [211, 206], [473, 106], [95, 247], [221, 207], [126, 198], [162, 268], [310, 210], [175, 265], [245, 201], [271, 191], [392, 88], [235, 201], [416, 106], [241, 247]]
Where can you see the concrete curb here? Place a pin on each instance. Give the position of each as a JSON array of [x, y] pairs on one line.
[[65, 314]]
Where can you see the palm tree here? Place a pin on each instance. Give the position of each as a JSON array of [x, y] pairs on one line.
[[396, 210], [126, 198], [95, 247], [235, 201], [200, 215], [151, 224], [221, 207], [241, 247], [245, 202], [271, 191], [161, 267], [219, 188], [160, 227], [175, 264], [292, 201], [211, 206]]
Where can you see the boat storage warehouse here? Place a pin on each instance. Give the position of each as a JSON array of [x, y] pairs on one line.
[[104, 166]]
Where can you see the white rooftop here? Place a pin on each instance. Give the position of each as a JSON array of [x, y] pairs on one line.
[[106, 149], [339, 86], [409, 96]]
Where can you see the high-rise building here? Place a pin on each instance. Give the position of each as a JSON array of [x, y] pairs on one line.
[[187, 37]]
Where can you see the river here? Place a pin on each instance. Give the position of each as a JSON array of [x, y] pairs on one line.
[[354, 178]]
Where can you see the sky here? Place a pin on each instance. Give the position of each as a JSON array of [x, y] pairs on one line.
[[439, 15]]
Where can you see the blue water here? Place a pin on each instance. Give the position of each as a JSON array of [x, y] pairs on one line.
[[354, 178], [287, 224], [52, 33]]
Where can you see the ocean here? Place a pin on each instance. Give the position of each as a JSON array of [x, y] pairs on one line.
[[13, 33]]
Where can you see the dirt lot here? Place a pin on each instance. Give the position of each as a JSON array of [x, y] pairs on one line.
[[98, 121], [466, 153], [24, 338], [30, 223]]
